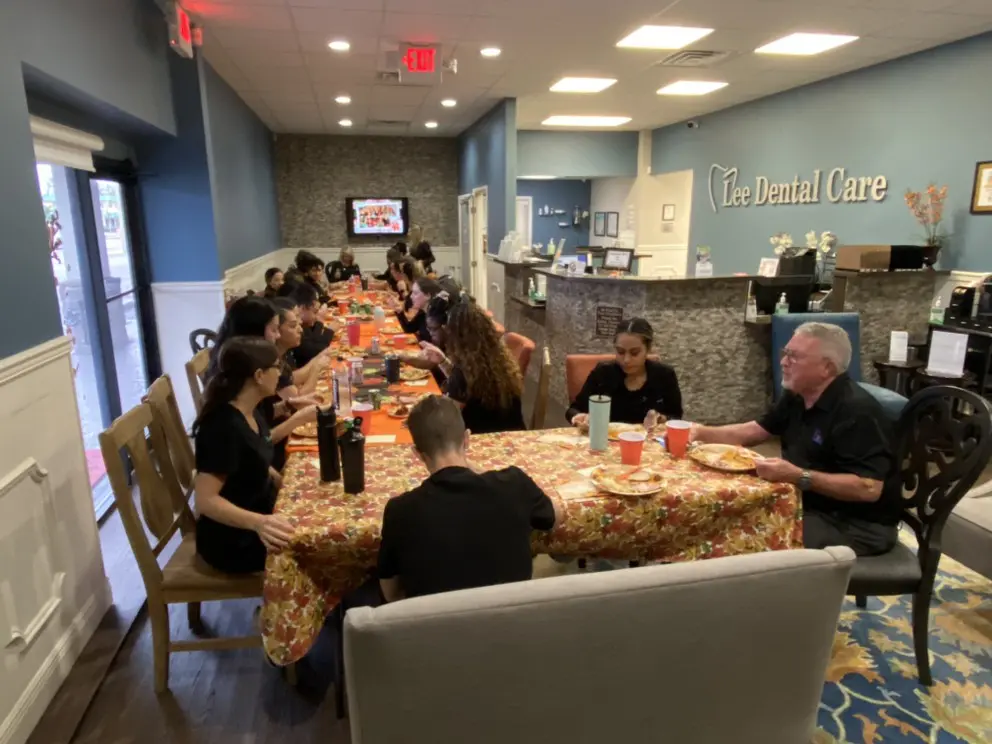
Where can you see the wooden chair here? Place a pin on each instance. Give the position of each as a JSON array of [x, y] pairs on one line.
[[541, 401], [196, 371], [185, 579], [522, 349], [202, 338], [578, 367], [945, 441], [161, 396]]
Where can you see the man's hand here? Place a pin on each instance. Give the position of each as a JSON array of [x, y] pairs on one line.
[[777, 470]]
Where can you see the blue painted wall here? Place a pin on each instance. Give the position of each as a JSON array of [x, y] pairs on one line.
[[113, 51], [558, 194], [576, 154], [916, 120], [487, 156], [242, 174], [175, 189]]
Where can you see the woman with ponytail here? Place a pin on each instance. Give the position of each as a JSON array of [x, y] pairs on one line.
[[235, 483]]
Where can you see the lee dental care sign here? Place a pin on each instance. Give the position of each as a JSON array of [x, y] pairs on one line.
[[836, 186]]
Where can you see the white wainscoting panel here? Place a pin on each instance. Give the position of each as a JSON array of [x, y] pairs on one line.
[[53, 591], [668, 261], [251, 274], [182, 307]]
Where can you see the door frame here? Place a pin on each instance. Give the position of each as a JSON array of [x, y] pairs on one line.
[[466, 250], [480, 247], [529, 200]]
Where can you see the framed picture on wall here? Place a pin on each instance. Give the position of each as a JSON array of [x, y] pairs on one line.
[[981, 196], [668, 213], [613, 224], [599, 224]]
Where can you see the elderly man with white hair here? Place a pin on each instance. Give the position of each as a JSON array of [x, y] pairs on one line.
[[836, 445]]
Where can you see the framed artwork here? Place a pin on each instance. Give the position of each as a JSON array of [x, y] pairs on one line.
[[618, 259], [599, 224], [613, 224], [668, 213], [981, 196], [768, 267]]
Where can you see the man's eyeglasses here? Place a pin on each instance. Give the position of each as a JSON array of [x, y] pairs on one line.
[[791, 355]]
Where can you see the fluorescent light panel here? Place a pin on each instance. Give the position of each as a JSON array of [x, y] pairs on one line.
[[805, 45], [430, 124], [490, 51], [585, 121], [663, 37], [343, 100], [339, 45], [582, 85], [449, 103], [345, 122], [691, 88]]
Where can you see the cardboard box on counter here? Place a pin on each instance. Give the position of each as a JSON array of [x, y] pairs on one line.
[[879, 257]]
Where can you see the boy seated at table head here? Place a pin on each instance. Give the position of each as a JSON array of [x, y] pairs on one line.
[[460, 528]]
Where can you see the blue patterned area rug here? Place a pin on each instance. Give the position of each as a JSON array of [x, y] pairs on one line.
[[872, 693]]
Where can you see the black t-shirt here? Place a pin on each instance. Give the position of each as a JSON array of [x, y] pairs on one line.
[[460, 529], [480, 418], [226, 446], [322, 296], [338, 272], [417, 326], [315, 339], [660, 392], [846, 431]]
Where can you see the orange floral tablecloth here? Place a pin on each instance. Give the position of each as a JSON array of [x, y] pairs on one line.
[[699, 514]]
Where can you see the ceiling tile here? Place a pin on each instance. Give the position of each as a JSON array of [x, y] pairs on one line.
[[978, 7], [317, 42], [336, 4], [260, 41], [398, 95], [425, 28], [938, 26], [251, 17], [248, 59], [338, 22]]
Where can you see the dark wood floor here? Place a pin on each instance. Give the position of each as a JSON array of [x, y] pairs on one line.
[[231, 697]]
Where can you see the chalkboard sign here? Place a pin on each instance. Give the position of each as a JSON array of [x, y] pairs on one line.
[[607, 320]]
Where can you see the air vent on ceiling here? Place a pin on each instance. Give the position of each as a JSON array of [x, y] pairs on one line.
[[694, 58], [387, 76]]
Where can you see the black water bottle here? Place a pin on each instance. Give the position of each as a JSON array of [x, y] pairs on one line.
[[327, 444], [353, 457]]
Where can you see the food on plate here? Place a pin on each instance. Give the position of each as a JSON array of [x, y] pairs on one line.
[[728, 457], [412, 374], [614, 430], [625, 480], [398, 411], [344, 352], [308, 430]]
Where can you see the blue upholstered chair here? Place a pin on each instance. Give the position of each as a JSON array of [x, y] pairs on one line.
[[892, 402], [783, 326]]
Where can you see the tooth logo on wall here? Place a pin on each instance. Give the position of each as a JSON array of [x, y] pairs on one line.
[[838, 187]]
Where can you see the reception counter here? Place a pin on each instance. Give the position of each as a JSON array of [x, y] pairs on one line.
[[723, 363]]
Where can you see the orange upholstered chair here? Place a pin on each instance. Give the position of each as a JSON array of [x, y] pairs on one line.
[[522, 348], [578, 367]]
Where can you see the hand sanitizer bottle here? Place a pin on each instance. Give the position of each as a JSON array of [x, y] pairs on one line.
[[751, 313], [531, 288], [782, 306], [937, 312]]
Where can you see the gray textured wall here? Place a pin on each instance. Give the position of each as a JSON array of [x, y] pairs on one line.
[[315, 174]]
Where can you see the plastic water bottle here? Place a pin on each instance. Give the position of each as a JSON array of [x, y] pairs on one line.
[[782, 306]]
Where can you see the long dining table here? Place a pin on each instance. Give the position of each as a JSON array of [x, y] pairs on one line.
[[699, 513]]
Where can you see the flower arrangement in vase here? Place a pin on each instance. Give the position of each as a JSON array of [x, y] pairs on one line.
[[927, 208]]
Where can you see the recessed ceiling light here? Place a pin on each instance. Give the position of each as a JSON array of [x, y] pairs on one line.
[[449, 103], [430, 124], [343, 100], [585, 121], [537, 178], [582, 85], [690, 88], [339, 45], [345, 122], [663, 37], [805, 44], [490, 51]]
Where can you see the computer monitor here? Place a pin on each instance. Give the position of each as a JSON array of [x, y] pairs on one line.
[[767, 290]]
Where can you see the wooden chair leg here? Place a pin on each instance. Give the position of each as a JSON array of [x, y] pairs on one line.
[[194, 618], [921, 632], [861, 601], [158, 614]]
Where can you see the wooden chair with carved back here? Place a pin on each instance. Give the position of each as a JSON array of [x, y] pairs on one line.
[[161, 396], [162, 511], [196, 373], [944, 441]]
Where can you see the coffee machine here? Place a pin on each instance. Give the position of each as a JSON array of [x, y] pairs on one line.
[[983, 302], [971, 305], [962, 305]]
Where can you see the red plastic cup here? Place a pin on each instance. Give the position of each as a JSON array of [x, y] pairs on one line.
[[631, 447], [677, 437], [363, 411], [354, 333], [343, 306]]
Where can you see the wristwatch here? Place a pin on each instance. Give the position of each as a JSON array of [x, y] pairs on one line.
[[805, 481]]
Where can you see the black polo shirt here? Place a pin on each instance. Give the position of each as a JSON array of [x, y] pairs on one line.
[[846, 431], [461, 529]]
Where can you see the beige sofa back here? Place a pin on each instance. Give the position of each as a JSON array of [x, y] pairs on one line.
[[710, 652]]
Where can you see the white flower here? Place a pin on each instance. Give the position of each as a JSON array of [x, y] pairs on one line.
[[779, 250], [811, 239]]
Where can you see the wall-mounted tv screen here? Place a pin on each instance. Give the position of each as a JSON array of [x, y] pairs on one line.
[[377, 216]]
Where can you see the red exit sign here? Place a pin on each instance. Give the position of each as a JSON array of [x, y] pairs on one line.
[[420, 59], [181, 32]]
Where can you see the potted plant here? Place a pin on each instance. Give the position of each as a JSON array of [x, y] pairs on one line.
[[927, 208]]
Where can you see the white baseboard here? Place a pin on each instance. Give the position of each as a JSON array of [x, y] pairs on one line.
[[24, 716]]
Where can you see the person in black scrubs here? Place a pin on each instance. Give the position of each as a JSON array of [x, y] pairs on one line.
[[484, 378], [312, 269], [247, 316], [273, 280], [836, 445], [344, 268], [413, 316], [235, 483], [423, 253], [641, 390], [316, 336]]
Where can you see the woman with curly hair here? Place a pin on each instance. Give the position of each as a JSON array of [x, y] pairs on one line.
[[485, 378]]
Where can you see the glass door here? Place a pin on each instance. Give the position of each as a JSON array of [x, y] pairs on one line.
[[99, 268]]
